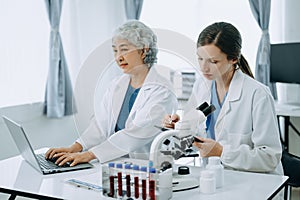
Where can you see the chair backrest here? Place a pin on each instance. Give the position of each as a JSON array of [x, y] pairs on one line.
[[291, 168]]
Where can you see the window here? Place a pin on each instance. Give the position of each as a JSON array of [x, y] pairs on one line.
[[24, 51]]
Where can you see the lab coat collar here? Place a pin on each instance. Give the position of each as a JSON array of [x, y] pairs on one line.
[[152, 80], [119, 95], [236, 85], [234, 94], [206, 89], [123, 83]]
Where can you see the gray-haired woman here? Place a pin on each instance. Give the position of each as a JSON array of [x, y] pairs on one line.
[[131, 106]]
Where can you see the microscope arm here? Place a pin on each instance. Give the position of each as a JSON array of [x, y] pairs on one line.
[[182, 137], [155, 153]]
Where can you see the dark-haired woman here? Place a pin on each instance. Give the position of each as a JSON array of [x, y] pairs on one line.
[[243, 130]]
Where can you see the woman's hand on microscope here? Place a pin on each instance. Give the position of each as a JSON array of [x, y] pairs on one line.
[[170, 120], [208, 147]]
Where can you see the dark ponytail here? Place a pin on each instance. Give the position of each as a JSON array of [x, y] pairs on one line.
[[228, 39], [243, 65]]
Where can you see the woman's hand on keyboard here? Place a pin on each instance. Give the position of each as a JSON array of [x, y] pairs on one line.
[[74, 158], [52, 152]]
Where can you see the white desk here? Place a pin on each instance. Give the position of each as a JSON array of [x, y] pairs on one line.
[[17, 177], [287, 111]]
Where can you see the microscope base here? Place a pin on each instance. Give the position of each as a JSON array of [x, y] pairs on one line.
[[184, 182]]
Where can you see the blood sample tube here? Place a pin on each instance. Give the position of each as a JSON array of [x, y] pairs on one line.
[[119, 174], [128, 179], [144, 182], [152, 183], [112, 174], [136, 177]]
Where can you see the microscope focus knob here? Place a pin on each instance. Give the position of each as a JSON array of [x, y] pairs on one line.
[[183, 170]]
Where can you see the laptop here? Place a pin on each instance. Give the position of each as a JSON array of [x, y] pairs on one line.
[[37, 161]]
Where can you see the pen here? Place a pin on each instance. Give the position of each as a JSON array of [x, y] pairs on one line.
[[161, 128], [170, 120], [86, 185]]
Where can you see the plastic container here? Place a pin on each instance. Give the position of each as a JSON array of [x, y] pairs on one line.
[[207, 182], [215, 165], [165, 186]]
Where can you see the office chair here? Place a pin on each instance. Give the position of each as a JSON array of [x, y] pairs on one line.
[[291, 166]]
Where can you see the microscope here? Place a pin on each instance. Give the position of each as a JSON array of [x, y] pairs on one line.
[[173, 144]]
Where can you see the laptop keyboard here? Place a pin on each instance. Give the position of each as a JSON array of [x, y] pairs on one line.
[[48, 164]]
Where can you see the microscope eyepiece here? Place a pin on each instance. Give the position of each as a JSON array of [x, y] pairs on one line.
[[206, 109]]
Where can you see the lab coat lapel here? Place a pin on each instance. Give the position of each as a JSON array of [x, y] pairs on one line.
[[207, 92], [119, 95], [234, 93], [202, 94], [146, 87]]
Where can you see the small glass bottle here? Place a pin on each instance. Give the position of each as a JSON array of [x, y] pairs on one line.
[[214, 164]]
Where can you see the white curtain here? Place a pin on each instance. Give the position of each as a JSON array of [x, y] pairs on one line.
[[133, 8], [59, 94], [261, 11]]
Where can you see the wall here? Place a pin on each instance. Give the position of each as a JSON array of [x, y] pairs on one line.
[[87, 24]]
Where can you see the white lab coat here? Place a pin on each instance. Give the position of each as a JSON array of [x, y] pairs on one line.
[[246, 126], [155, 99]]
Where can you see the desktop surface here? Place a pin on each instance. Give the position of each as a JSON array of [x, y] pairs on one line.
[[284, 109], [21, 178], [18, 177]]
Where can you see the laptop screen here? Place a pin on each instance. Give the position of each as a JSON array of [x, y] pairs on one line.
[[22, 142]]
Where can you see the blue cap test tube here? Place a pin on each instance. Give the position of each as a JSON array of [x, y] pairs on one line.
[[144, 182], [111, 167], [152, 183], [136, 177], [119, 174], [128, 178]]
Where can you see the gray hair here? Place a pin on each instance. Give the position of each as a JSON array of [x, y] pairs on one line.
[[140, 36]]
